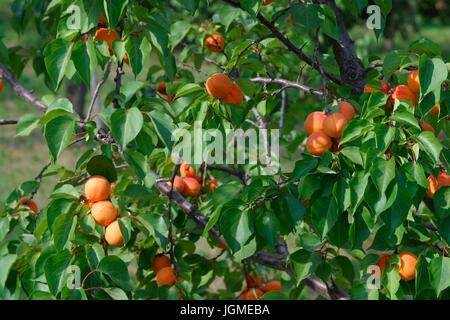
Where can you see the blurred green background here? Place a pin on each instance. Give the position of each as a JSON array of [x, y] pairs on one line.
[[22, 158]]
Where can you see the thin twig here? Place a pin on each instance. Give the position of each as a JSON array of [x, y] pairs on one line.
[[97, 89]]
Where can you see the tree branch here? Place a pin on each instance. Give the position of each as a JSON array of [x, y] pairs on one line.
[[8, 121], [289, 84], [97, 89]]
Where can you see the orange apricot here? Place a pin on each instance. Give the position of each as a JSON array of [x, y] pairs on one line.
[[165, 276], [113, 235], [97, 188], [31, 204], [435, 109], [109, 37], [235, 95], [104, 212], [403, 92], [347, 110], [160, 261], [214, 43], [186, 171], [219, 85], [178, 184], [314, 122], [443, 179], [408, 268], [334, 124], [191, 187], [432, 186], [318, 142], [271, 286], [251, 282], [413, 81], [427, 127]]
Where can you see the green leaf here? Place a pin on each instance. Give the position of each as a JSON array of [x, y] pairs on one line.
[[303, 167], [405, 117], [85, 59], [358, 185], [353, 154], [114, 267], [58, 133], [164, 127], [304, 263], [307, 17], [432, 72], [57, 57], [296, 210], [58, 108], [138, 49], [354, 130], [63, 229], [101, 165], [187, 88], [251, 6], [116, 293], [26, 124], [391, 281], [236, 227], [136, 161], [426, 46], [54, 269], [5, 265], [114, 9], [267, 226], [126, 124], [157, 226], [441, 200], [439, 272], [324, 214], [382, 173], [430, 144], [66, 191], [392, 62]]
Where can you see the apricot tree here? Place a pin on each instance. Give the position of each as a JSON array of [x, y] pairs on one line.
[[352, 210]]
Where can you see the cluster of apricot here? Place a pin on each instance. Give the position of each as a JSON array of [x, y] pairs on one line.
[[407, 269], [103, 33], [98, 189], [165, 274], [189, 184], [326, 130], [442, 180], [255, 289], [220, 86]]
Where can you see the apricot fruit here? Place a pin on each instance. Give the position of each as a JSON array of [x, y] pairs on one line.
[[254, 294], [334, 124], [271, 286], [235, 95], [382, 263], [222, 246], [109, 37], [186, 171], [191, 187], [443, 179], [212, 184], [161, 87], [314, 122], [403, 92], [113, 235], [178, 184], [251, 282], [432, 186], [31, 204], [214, 43], [104, 212], [218, 85], [318, 142], [160, 261], [413, 81], [347, 110], [165, 276], [435, 109], [97, 188], [427, 127], [408, 268]]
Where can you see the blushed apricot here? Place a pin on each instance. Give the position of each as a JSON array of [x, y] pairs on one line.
[[160, 261], [408, 268], [318, 142], [31, 204], [235, 95], [432, 186], [191, 187], [314, 122], [347, 110], [178, 184], [427, 127], [214, 43], [165, 276], [334, 124], [186, 171], [97, 188], [271, 286], [443, 179], [113, 235], [104, 213], [218, 85], [403, 92], [413, 81]]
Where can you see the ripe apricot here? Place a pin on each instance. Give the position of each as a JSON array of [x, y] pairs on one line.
[[318, 142], [271, 286], [408, 268], [218, 85], [235, 95], [334, 124], [212, 184], [347, 110], [251, 282], [97, 188], [191, 187], [161, 87], [31, 204], [186, 171], [427, 127], [314, 122], [165, 276], [104, 212], [160, 261], [266, 2], [214, 43], [222, 246], [113, 235], [443, 179], [413, 81], [432, 186], [403, 92], [254, 294], [109, 37], [1, 86], [178, 184], [435, 109]]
